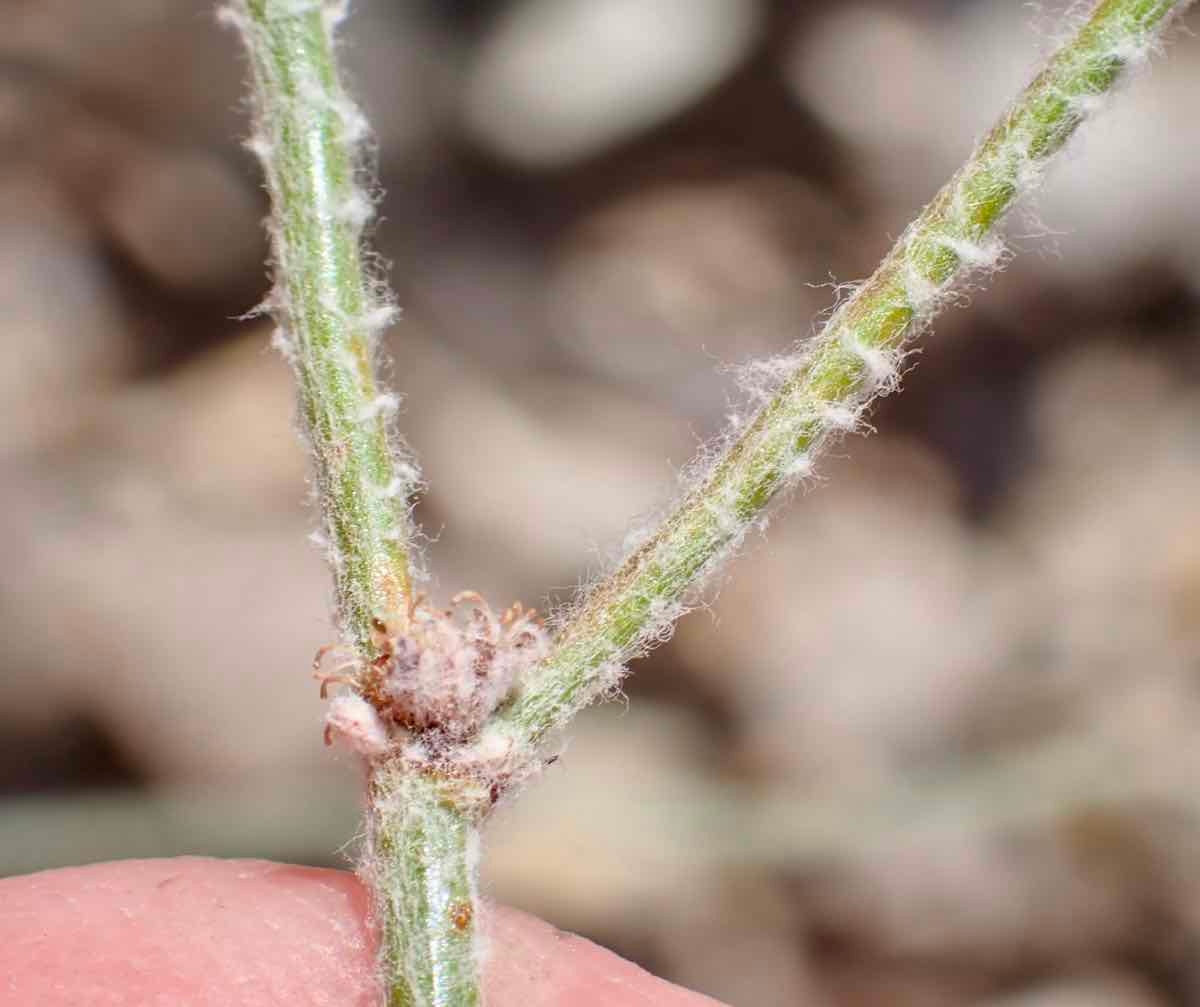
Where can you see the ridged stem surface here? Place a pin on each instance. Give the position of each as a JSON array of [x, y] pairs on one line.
[[423, 869], [309, 136], [422, 828], [329, 311], [830, 384]]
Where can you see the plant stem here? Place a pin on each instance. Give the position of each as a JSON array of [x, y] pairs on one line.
[[425, 854], [423, 813], [421, 861], [827, 388], [329, 310]]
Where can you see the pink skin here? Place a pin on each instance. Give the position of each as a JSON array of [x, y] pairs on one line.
[[246, 933]]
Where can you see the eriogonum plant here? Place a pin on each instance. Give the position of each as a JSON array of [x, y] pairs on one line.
[[450, 706]]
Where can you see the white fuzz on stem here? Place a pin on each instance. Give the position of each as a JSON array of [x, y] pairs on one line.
[[448, 711], [829, 385]]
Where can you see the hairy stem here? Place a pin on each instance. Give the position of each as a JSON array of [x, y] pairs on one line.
[[329, 311], [309, 136], [830, 384], [424, 858], [423, 808]]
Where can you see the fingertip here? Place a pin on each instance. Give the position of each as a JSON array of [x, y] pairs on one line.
[[203, 932], [533, 964], [142, 931]]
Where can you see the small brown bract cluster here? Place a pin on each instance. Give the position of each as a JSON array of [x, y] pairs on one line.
[[438, 672]]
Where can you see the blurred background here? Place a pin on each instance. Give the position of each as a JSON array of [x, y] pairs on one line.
[[935, 744]]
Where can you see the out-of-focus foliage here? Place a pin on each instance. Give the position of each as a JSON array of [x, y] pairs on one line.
[[952, 708]]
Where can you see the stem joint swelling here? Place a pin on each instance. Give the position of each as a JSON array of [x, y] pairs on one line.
[[450, 707]]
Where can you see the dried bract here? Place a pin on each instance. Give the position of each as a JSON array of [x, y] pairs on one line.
[[439, 673]]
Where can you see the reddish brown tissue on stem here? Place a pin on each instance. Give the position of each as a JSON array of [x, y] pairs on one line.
[[439, 673]]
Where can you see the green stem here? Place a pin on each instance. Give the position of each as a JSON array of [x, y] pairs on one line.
[[828, 388], [421, 821], [424, 856], [329, 310]]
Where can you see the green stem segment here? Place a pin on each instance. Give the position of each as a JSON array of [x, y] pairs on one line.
[[329, 310], [421, 863], [424, 857], [852, 361], [423, 828]]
